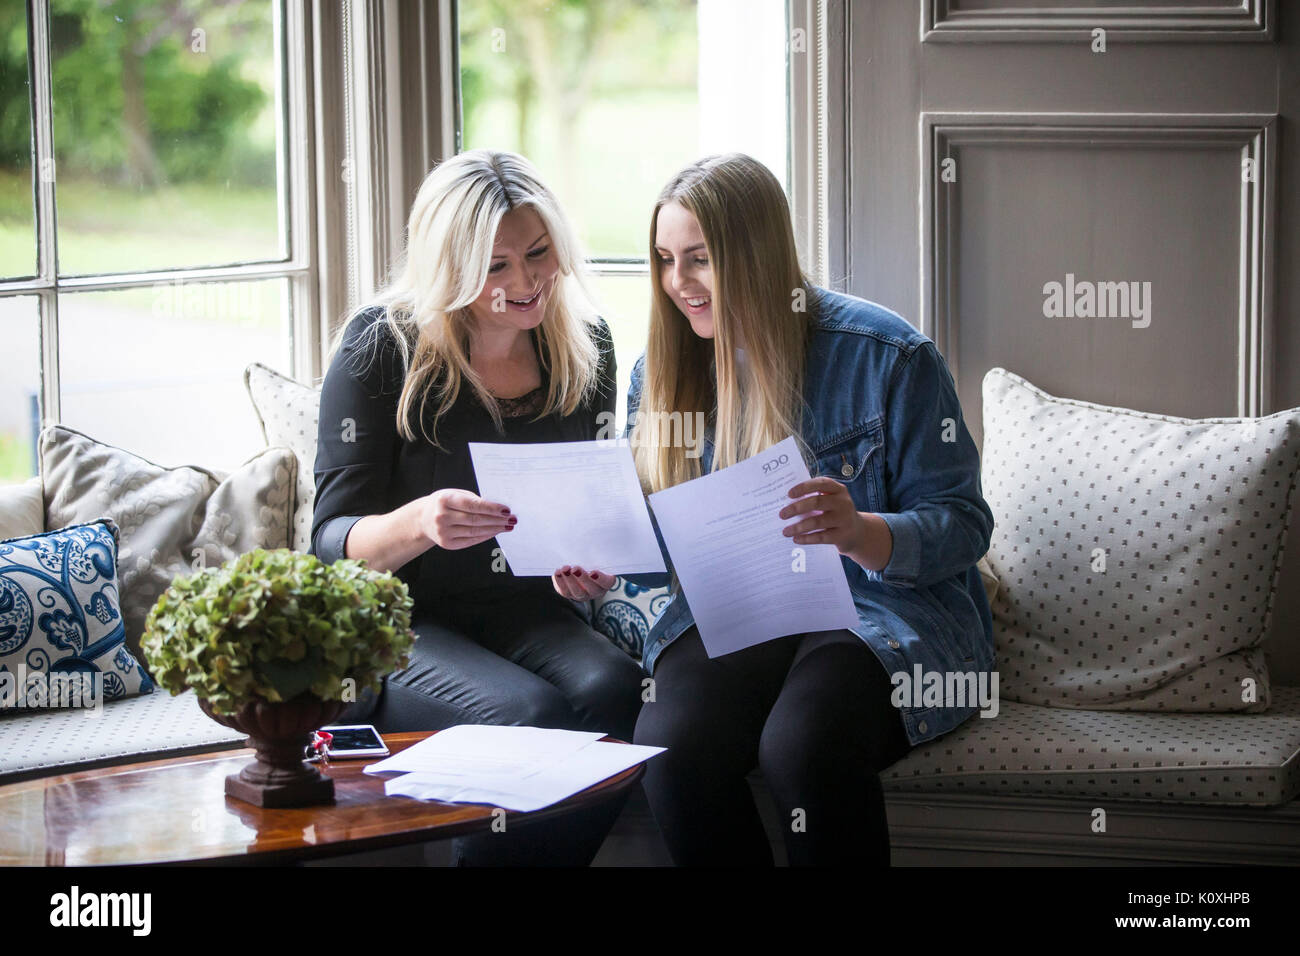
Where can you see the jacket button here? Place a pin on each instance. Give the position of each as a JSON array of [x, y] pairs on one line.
[[847, 470], [894, 644], [922, 726]]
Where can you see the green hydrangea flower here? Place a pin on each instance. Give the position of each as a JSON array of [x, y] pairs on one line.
[[275, 624]]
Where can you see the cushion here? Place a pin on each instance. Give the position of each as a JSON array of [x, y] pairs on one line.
[[1137, 554], [62, 642], [173, 520], [289, 411], [625, 612], [37, 743], [22, 509], [1244, 759]]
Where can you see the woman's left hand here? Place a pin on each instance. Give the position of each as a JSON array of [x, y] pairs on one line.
[[854, 534], [579, 585]]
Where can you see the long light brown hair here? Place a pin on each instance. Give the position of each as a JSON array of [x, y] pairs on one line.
[[761, 299], [450, 235]]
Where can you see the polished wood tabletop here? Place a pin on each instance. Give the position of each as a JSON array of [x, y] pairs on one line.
[[177, 811]]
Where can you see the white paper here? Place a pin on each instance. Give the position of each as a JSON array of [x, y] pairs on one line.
[[578, 503], [739, 573], [550, 784], [486, 751]]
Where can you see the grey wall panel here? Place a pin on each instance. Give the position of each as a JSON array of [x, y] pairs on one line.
[[1151, 210], [984, 21]]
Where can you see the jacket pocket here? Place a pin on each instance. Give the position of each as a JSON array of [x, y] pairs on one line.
[[856, 459]]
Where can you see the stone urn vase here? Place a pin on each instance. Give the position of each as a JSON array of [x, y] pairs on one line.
[[280, 733]]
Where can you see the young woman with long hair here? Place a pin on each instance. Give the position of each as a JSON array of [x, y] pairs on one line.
[[483, 335], [738, 333]]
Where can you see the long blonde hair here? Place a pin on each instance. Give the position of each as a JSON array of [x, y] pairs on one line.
[[761, 297], [444, 267]]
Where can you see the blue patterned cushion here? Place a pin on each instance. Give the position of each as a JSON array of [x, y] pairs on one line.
[[59, 615], [626, 611]]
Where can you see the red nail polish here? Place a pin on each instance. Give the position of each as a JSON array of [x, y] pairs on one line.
[[593, 574]]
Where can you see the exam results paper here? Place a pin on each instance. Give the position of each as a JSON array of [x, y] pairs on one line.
[[578, 503], [745, 581]]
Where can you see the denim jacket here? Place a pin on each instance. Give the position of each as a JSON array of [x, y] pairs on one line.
[[881, 414]]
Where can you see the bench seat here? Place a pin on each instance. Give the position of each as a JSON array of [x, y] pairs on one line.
[[39, 743], [1250, 760]]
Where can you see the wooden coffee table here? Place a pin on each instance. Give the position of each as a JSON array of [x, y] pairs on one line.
[[176, 811]]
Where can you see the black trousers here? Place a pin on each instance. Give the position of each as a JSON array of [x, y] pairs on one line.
[[812, 711], [529, 660]]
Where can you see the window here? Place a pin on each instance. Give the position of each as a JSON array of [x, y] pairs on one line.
[[609, 98], [155, 234]]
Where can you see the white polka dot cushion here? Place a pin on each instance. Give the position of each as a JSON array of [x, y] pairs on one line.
[[1246, 759], [289, 411], [1136, 554]]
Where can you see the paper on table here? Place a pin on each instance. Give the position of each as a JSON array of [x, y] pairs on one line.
[[486, 750], [578, 503], [740, 574], [572, 773]]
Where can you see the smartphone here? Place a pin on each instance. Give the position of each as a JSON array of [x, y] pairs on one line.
[[353, 741]]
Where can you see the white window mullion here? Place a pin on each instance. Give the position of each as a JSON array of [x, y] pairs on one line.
[[43, 170], [808, 132], [299, 192]]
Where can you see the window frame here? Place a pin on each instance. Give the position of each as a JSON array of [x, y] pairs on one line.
[[296, 192], [808, 140], [373, 56]]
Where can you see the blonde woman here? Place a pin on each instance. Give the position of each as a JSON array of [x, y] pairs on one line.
[[738, 333], [483, 336]]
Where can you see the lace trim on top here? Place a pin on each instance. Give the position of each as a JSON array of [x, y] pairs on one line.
[[528, 404]]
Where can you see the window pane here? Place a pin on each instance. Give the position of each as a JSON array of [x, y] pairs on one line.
[[17, 211], [165, 129], [610, 99], [20, 387], [159, 371], [624, 303]]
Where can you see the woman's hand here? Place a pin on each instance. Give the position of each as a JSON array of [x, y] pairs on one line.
[[833, 519], [455, 519], [579, 585]]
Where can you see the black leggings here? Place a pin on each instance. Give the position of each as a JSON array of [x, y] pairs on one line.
[[812, 711], [531, 661]]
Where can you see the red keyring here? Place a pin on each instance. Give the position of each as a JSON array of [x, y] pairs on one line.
[[320, 742]]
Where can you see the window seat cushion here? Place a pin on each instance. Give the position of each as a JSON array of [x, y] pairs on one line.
[[1027, 749]]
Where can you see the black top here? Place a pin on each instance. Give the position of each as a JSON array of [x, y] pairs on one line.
[[364, 467]]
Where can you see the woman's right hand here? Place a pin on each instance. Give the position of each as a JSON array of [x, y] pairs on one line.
[[454, 519]]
